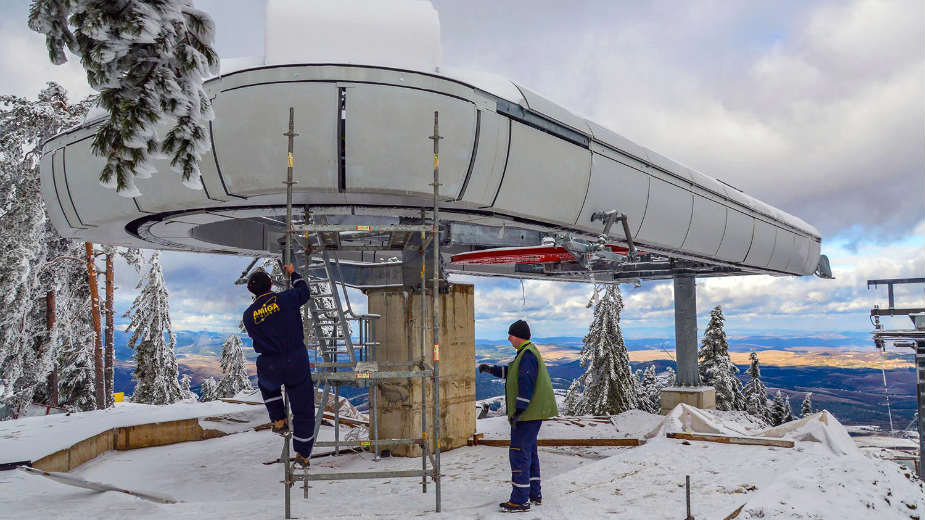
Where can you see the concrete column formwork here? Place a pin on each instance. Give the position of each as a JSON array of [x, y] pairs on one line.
[[399, 333]]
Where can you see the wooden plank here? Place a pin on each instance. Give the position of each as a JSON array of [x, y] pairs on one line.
[[561, 442], [729, 439]]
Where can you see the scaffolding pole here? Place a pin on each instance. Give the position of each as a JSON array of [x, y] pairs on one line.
[[435, 234], [287, 259]]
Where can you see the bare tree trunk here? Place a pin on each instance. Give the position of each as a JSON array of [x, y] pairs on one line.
[[95, 310], [52, 383], [109, 331]]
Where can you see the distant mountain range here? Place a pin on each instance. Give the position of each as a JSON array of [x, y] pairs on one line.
[[854, 395]]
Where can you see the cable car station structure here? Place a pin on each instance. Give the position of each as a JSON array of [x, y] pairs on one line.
[[526, 189]]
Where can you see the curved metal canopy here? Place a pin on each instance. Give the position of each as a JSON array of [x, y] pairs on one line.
[[516, 171]]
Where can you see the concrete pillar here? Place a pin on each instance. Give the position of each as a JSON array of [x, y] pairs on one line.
[[685, 330], [399, 333]]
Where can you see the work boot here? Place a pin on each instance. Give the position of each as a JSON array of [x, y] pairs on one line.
[[510, 507], [281, 426], [538, 501], [301, 460]]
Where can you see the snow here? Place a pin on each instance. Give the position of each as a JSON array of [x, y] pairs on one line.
[[32, 438], [226, 477]]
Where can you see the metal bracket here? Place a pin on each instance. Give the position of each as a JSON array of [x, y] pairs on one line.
[[608, 218]]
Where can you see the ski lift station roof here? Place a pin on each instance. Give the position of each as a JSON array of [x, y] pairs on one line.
[[516, 169]]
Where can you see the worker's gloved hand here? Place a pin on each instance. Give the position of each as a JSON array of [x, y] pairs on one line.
[[484, 368], [514, 418]]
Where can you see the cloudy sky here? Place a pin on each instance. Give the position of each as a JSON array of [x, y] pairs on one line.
[[814, 107]]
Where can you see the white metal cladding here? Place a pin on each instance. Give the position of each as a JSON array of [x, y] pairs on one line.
[[759, 254], [65, 205], [248, 136], [387, 145], [614, 185], [737, 236], [708, 223], [549, 109], [81, 170], [490, 158], [522, 166], [546, 177], [668, 215], [784, 248]]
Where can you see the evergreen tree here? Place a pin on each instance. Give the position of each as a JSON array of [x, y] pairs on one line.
[[74, 329], [648, 390], [185, 392], [788, 412], [756, 394], [155, 361], [607, 385], [776, 409], [234, 369], [716, 369], [27, 351], [209, 390], [807, 407], [147, 58]]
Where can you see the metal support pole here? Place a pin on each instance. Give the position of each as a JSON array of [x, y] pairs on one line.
[[685, 330], [687, 486], [287, 259], [435, 233], [920, 388], [421, 320]]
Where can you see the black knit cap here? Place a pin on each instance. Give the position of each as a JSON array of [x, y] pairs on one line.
[[519, 329], [258, 283]]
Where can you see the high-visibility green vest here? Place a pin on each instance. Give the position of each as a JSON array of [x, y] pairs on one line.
[[543, 403]]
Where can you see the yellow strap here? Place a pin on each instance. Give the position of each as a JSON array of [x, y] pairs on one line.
[[290, 159]]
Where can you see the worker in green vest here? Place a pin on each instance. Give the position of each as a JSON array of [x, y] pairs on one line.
[[529, 399]]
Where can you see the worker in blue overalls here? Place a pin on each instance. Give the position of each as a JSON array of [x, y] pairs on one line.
[[274, 323], [529, 399]]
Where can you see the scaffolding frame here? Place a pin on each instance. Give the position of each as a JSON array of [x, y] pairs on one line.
[[363, 370]]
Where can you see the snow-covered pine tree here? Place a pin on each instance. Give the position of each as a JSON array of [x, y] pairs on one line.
[[787, 416], [148, 60], [648, 391], [716, 369], [756, 394], [807, 407], [209, 390], [27, 351], [607, 385], [73, 328], [155, 374], [776, 409], [185, 382], [234, 369]]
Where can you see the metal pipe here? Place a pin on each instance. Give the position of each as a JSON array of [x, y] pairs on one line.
[[436, 307], [421, 320], [287, 259]]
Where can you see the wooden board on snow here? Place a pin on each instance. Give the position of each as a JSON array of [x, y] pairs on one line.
[[729, 439]]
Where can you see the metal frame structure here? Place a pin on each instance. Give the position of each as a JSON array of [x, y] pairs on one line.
[[910, 338], [331, 333]]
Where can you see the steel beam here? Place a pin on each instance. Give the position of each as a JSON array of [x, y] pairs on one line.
[[685, 330]]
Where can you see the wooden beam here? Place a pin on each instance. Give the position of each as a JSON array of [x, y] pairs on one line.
[[503, 443], [729, 439]]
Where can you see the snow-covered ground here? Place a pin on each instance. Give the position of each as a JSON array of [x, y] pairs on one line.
[[227, 478]]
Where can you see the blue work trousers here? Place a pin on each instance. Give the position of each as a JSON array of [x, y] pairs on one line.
[[272, 373], [525, 464]]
